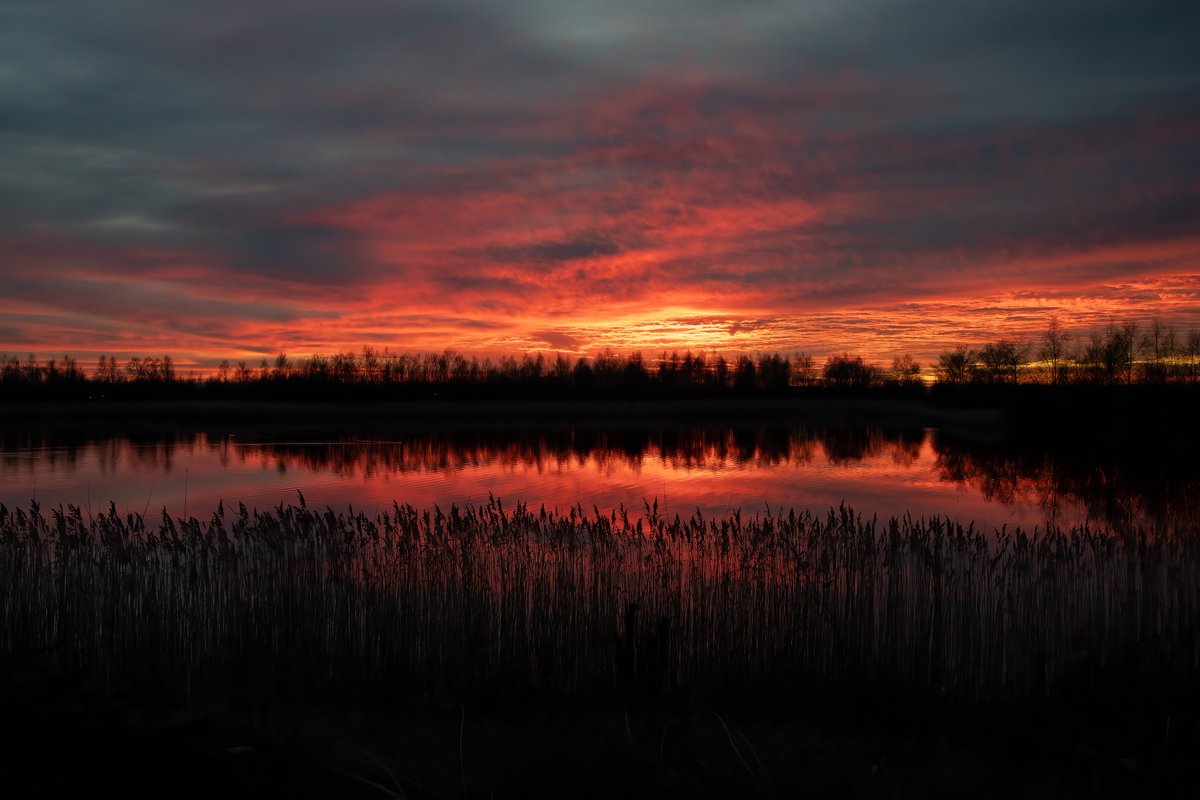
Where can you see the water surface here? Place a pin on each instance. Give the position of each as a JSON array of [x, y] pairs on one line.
[[878, 471]]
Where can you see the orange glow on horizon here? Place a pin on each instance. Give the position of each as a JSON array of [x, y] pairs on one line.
[[686, 232]]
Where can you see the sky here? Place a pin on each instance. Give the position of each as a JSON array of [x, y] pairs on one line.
[[237, 179]]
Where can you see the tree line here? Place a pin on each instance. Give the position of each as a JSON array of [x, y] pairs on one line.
[[373, 372], [1117, 354]]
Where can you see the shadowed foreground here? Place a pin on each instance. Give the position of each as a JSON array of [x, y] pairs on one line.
[[637, 630]]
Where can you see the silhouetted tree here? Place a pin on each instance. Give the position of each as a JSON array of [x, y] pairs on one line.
[[107, 370], [636, 376], [1159, 347], [774, 373], [720, 375], [804, 370], [582, 377], [745, 376], [1109, 355], [1192, 354], [844, 371], [906, 371], [1000, 362], [956, 366], [31, 371], [1054, 350], [607, 368]]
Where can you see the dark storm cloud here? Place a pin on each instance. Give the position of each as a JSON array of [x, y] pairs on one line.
[[303, 253], [555, 251]]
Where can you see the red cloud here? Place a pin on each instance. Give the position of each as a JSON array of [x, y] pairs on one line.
[[654, 218]]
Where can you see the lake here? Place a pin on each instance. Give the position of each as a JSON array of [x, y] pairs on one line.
[[876, 470]]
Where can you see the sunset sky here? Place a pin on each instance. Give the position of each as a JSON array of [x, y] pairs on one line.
[[236, 179]]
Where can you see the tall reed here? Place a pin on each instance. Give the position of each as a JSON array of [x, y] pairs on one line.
[[496, 601]]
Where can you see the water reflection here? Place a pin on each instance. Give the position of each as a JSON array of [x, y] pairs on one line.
[[1118, 487], [878, 470], [699, 448]]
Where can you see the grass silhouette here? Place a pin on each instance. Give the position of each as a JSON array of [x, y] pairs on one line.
[[492, 602]]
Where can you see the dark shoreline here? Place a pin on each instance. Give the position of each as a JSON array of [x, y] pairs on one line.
[[1158, 424], [267, 416]]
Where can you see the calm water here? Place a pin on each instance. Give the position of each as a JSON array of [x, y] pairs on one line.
[[877, 471]]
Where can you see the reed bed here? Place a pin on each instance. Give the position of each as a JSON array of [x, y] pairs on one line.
[[492, 601]]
